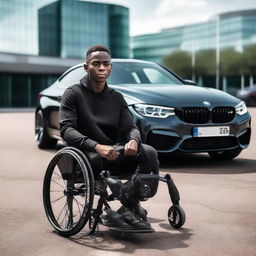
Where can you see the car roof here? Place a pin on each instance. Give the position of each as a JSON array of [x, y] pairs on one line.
[[120, 60]]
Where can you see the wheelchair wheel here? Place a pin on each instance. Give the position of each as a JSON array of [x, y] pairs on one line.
[[176, 216], [68, 191]]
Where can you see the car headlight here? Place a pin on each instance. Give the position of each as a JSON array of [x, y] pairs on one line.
[[241, 108], [154, 111]]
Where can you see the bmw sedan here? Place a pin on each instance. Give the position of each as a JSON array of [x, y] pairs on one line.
[[170, 114]]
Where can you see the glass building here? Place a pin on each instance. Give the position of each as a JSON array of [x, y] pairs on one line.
[[15, 18], [154, 46], [68, 27], [22, 77], [19, 25], [233, 29], [64, 29]]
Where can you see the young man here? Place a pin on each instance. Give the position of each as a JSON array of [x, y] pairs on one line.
[[95, 118]]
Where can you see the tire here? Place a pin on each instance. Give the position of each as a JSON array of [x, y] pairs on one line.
[[176, 216], [68, 191], [225, 155], [43, 140]]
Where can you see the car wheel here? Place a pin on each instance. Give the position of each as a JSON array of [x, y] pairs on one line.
[[42, 138], [225, 155]]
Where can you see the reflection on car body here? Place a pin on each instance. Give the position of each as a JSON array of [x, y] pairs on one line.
[[171, 115]]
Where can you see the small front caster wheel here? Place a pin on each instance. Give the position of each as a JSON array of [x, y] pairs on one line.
[[176, 216]]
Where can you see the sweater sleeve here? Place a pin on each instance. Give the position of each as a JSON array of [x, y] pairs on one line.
[[127, 128], [68, 123]]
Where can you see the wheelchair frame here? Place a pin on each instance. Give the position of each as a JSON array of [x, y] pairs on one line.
[[69, 189]]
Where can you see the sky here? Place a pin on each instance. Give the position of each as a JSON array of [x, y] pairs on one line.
[[150, 16]]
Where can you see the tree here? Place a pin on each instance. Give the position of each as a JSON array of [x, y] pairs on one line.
[[179, 62], [205, 62], [249, 59], [230, 62]]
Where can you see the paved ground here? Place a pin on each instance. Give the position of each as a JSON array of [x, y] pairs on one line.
[[219, 200]]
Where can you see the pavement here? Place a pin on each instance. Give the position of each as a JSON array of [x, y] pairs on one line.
[[218, 198]]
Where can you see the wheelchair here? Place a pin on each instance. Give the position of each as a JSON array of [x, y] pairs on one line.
[[70, 189]]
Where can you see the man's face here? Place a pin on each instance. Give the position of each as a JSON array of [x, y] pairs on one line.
[[98, 66]]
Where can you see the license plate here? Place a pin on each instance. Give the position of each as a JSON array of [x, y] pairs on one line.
[[211, 131]]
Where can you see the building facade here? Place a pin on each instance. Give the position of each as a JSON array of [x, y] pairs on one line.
[[22, 77], [64, 28], [232, 29], [68, 27], [16, 18]]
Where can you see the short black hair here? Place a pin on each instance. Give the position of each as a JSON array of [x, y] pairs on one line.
[[96, 48]]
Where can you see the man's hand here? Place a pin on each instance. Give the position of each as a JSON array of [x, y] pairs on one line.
[[131, 148], [106, 151]]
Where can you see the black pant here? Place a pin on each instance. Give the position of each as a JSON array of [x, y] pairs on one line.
[[146, 161]]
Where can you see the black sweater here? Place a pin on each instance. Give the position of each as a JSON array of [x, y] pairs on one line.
[[88, 118]]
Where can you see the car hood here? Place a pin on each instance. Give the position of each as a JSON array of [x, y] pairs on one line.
[[174, 96]]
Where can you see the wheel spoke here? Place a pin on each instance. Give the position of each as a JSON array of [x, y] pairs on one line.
[[56, 200], [38, 135], [65, 183], [78, 207], [79, 202], [66, 213], [57, 174], [61, 211], [58, 184]]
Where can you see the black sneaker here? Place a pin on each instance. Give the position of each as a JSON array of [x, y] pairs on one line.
[[115, 221], [137, 224], [138, 211]]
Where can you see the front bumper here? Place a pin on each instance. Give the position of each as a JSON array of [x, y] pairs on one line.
[[172, 134]]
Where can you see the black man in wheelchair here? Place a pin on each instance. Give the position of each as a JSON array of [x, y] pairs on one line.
[[95, 119]]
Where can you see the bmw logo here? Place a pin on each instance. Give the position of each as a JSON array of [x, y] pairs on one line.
[[207, 103]]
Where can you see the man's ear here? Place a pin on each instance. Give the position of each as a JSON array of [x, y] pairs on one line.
[[85, 67]]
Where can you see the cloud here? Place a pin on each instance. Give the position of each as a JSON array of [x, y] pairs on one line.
[[167, 6], [151, 26]]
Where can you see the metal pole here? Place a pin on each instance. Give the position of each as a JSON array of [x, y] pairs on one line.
[[193, 64], [218, 52], [193, 57]]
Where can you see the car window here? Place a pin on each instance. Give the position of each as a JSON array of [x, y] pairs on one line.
[[135, 76], [72, 77], [125, 73], [141, 73], [155, 77]]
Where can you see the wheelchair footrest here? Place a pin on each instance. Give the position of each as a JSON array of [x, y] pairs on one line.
[[131, 230]]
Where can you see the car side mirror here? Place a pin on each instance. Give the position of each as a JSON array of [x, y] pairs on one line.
[[190, 82]]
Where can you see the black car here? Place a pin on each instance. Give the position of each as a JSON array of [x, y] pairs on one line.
[[248, 95], [171, 115]]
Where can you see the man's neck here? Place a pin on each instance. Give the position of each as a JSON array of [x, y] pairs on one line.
[[97, 87]]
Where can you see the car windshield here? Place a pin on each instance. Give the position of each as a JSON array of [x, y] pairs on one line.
[[140, 73], [126, 73]]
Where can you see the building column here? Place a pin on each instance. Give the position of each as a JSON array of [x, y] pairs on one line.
[[242, 82], [251, 80], [29, 91], [225, 84], [9, 91]]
